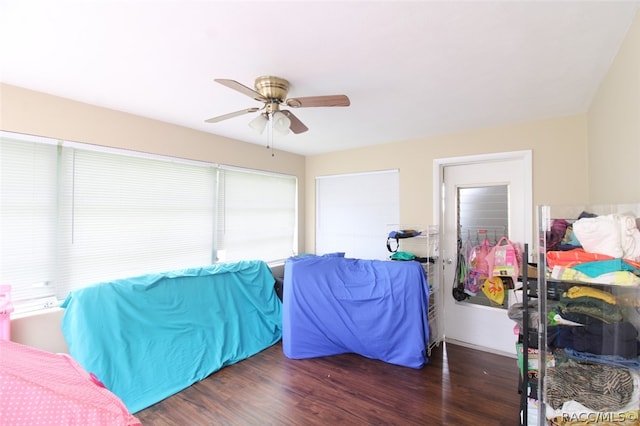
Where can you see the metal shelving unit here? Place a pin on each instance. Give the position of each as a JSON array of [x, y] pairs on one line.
[[556, 353], [426, 247]]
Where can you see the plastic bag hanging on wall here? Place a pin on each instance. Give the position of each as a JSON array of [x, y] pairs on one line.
[[478, 268], [502, 260]]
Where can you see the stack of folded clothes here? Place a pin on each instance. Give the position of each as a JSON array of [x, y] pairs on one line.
[[590, 320], [596, 356]]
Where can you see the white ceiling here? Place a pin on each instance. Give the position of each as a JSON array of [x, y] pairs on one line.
[[411, 69]]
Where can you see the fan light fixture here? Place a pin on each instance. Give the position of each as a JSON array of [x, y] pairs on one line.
[[279, 123], [259, 123]]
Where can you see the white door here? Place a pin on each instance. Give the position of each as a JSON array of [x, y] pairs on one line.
[[485, 327]]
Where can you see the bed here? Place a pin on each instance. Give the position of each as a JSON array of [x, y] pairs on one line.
[[43, 388], [374, 308]]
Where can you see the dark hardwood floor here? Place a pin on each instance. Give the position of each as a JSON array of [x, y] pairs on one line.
[[460, 386]]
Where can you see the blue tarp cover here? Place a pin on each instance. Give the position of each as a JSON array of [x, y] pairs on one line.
[[149, 337], [375, 308]]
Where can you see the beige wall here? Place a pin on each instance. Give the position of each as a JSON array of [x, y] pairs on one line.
[[559, 164], [614, 127], [41, 330]]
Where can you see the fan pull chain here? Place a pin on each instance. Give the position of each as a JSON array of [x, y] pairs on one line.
[[270, 134], [270, 131]]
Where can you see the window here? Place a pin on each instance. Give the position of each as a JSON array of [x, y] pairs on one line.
[[72, 215], [483, 213], [125, 215], [354, 212], [257, 215]]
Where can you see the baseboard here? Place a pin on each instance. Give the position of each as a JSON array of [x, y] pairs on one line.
[[480, 348]]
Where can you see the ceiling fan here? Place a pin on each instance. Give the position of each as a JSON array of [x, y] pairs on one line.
[[272, 91]]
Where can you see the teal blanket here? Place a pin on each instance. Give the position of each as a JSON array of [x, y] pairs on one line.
[[148, 337]]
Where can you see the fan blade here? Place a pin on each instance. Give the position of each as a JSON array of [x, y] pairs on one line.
[[319, 101], [231, 115], [296, 125], [232, 84]]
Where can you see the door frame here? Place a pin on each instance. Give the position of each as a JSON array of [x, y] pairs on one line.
[[439, 165]]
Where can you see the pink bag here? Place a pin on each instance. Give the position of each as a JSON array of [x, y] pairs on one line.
[[478, 258], [477, 268], [503, 259]]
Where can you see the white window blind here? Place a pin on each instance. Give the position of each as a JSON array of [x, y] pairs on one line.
[[126, 215], [28, 176], [72, 215], [257, 215], [353, 212]]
